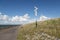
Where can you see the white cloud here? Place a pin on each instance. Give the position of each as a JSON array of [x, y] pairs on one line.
[[20, 18], [32, 20], [26, 16], [43, 18], [5, 19], [35, 10]]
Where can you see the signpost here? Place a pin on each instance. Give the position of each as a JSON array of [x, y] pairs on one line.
[[35, 10]]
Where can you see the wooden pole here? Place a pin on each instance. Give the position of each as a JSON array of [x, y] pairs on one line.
[[36, 23]]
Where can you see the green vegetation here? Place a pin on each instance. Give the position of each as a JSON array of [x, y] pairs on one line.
[[48, 27]]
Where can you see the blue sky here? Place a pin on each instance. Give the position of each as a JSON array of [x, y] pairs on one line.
[[49, 8]]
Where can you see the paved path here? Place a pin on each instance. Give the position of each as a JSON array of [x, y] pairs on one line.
[[9, 34]]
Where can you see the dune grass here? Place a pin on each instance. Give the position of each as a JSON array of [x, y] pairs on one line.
[[29, 31]]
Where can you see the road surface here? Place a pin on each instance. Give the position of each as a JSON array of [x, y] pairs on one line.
[[9, 34]]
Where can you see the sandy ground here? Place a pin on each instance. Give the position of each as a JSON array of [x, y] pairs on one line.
[[9, 34]]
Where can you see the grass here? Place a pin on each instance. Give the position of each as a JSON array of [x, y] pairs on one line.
[[29, 31]]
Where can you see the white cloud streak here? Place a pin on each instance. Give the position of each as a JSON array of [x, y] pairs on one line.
[[35, 10], [43, 18]]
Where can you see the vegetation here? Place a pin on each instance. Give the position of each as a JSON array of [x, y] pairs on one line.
[[45, 30]]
